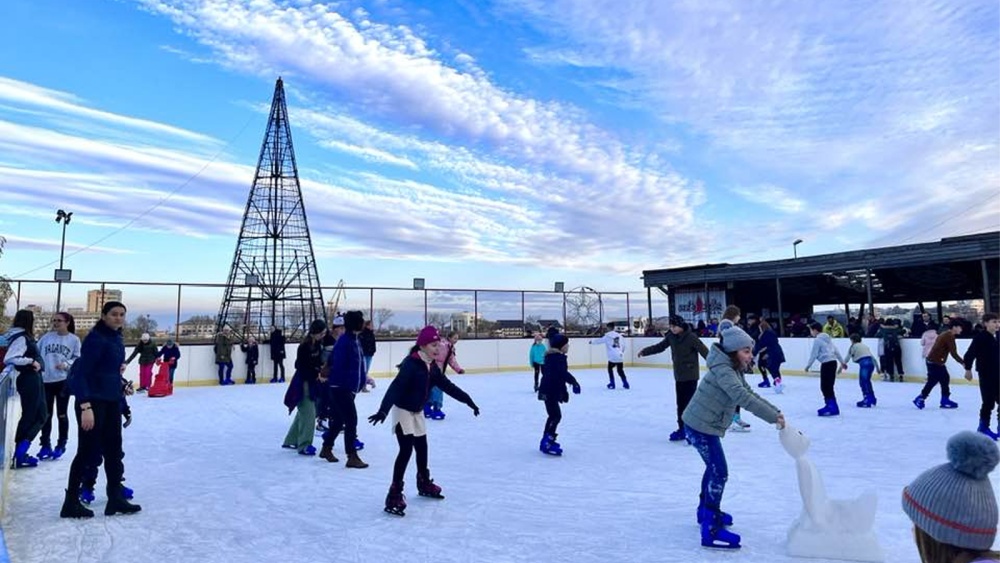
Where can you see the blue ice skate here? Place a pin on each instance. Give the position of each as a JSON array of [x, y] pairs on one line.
[[625, 383], [715, 536], [831, 408], [920, 402], [717, 516], [21, 457], [549, 446], [86, 495], [358, 445], [428, 411], [984, 428], [611, 385], [45, 453], [947, 403], [677, 436], [437, 413], [59, 451]]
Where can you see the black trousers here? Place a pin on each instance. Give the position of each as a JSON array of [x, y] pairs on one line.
[[555, 416], [937, 374], [104, 439], [827, 377], [252, 372], [620, 366], [58, 403], [279, 365], [343, 417], [33, 413], [892, 361], [989, 389], [408, 444], [685, 390], [538, 371]]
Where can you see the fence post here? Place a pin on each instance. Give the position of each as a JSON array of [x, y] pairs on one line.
[[177, 319], [425, 307], [17, 300], [371, 303], [628, 313], [475, 312]]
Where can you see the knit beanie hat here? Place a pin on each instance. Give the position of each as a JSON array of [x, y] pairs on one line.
[[317, 327], [954, 503], [676, 320], [427, 335], [558, 340], [733, 339]]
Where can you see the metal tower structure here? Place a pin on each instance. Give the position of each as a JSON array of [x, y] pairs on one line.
[[273, 280]]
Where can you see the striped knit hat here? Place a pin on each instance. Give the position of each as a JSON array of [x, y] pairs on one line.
[[954, 503]]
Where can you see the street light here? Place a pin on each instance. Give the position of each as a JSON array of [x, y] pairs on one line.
[[62, 275], [795, 251]]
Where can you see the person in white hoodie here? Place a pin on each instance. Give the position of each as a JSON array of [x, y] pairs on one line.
[[615, 345], [60, 347], [824, 350]]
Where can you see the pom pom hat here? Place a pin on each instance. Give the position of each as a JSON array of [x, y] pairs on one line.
[[954, 503], [733, 339], [427, 335]]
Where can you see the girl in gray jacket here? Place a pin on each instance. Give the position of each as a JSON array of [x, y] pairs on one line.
[[706, 419]]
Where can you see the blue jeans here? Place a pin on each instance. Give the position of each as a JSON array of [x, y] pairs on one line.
[[436, 397], [368, 364], [867, 368], [225, 369], [713, 482]]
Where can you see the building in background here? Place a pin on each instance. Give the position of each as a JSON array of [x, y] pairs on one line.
[[96, 298]]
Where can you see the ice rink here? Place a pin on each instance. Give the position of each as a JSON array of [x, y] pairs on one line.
[[215, 485]]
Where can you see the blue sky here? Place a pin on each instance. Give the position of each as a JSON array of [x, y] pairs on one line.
[[496, 143]]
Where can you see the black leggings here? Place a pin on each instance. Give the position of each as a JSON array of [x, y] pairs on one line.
[[621, 371], [252, 372], [54, 396], [104, 439], [408, 443], [685, 390], [343, 416], [989, 389], [555, 416], [827, 377], [538, 370], [33, 413]]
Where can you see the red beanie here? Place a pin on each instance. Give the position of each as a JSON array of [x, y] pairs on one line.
[[427, 335]]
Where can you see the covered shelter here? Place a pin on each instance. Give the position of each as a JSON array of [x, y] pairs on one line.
[[956, 268]]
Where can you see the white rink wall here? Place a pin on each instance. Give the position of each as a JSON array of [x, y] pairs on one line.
[[197, 364]]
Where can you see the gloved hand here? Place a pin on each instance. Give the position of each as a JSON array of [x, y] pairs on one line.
[[576, 389], [475, 409], [377, 418], [461, 371], [128, 420]]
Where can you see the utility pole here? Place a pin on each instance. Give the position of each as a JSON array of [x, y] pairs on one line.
[[62, 275]]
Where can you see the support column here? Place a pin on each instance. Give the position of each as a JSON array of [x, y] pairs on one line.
[[868, 287], [475, 313], [177, 321], [649, 303], [781, 312], [986, 288], [940, 312]]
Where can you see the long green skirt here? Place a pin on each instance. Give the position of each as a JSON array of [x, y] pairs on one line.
[[300, 434]]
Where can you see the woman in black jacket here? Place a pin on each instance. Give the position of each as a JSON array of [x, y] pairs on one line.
[[405, 400], [23, 354], [96, 383], [277, 344]]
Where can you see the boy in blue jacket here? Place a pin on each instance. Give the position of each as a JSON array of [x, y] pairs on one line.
[[555, 377]]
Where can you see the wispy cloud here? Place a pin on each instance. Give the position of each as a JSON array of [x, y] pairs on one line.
[[16, 243], [771, 196]]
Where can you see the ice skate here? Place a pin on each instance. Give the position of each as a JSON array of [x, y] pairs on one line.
[[764, 384], [625, 384], [920, 402], [947, 403], [426, 486], [779, 386], [21, 457], [720, 517], [739, 425], [549, 446], [395, 501], [611, 385], [715, 536], [44, 453], [72, 508], [984, 428], [831, 408], [677, 436]]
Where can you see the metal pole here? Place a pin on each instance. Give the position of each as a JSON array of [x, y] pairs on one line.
[[425, 307], [17, 300], [177, 319], [565, 328], [781, 312], [371, 302], [62, 252], [871, 304], [475, 313], [628, 314], [986, 287], [649, 303]]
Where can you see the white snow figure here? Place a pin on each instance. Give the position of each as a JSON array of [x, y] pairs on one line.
[[827, 528]]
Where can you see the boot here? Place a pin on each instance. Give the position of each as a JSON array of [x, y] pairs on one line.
[[714, 535], [764, 384], [677, 436], [719, 517], [327, 453], [395, 501], [354, 462], [72, 508], [428, 411], [984, 428], [920, 402], [426, 486], [947, 403], [117, 504], [21, 457], [831, 408], [45, 452]]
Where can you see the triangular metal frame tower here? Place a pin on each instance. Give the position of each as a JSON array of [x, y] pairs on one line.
[[273, 280]]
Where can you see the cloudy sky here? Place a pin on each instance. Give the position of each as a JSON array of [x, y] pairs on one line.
[[496, 143]]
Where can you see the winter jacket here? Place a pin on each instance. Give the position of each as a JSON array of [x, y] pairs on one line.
[[984, 351], [368, 345], [223, 347], [614, 344], [252, 353], [277, 343], [55, 350], [446, 355], [943, 346], [537, 354], [824, 350], [22, 351], [918, 328], [555, 377], [835, 330], [684, 351], [146, 352], [770, 344], [712, 408], [859, 351], [410, 387], [927, 341], [346, 365], [169, 353], [308, 360], [97, 374], [890, 336]]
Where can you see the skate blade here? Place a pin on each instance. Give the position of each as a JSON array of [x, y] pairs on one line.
[[720, 545], [432, 495], [394, 511]]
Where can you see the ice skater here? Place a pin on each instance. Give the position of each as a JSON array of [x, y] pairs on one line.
[[555, 378], [861, 354], [984, 351], [685, 348], [536, 356], [937, 371], [59, 347], [770, 353], [404, 400], [347, 377], [304, 389], [445, 357], [706, 420], [252, 351], [615, 346], [824, 350]]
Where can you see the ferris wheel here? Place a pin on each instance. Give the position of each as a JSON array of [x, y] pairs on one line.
[[584, 308]]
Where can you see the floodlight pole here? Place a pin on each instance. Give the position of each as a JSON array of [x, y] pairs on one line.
[[64, 218]]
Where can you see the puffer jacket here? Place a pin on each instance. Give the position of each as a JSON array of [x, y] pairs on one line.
[[721, 389]]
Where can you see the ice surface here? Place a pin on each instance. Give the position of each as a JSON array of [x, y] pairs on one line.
[[216, 486]]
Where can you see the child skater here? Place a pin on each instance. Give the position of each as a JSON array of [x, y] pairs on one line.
[[860, 353], [555, 377], [252, 351], [536, 356], [404, 399], [826, 352], [614, 344], [706, 419], [984, 351], [771, 356], [445, 357], [953, 506]]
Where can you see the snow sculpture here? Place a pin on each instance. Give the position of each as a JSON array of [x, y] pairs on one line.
[[828, 528]]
